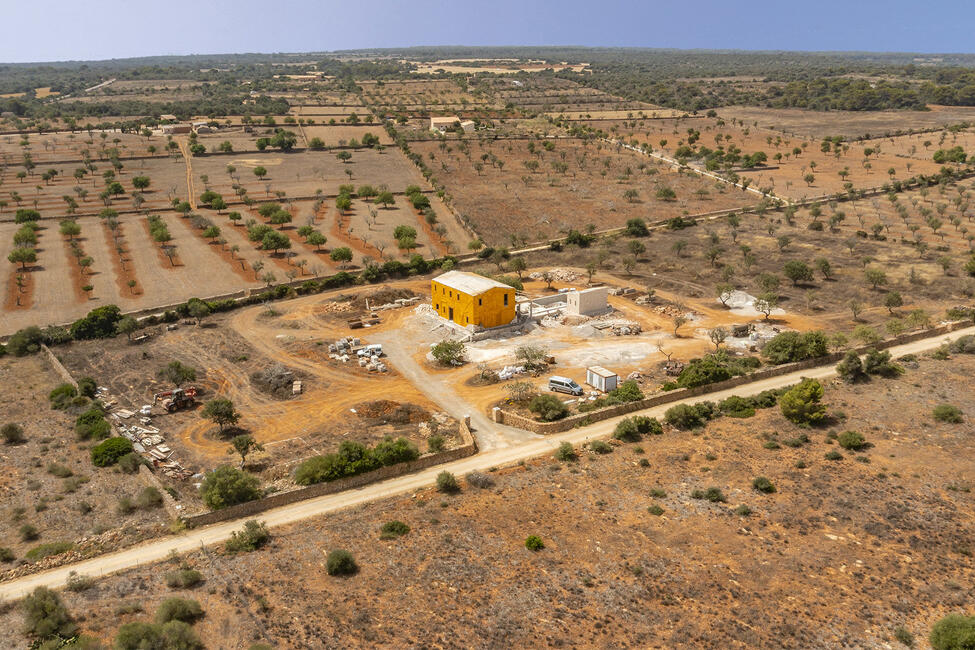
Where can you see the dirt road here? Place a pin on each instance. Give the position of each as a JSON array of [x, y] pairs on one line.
[[161, 548], [488, 434]]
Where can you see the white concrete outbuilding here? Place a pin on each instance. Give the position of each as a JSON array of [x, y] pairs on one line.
[[588, 301], [601, 379]]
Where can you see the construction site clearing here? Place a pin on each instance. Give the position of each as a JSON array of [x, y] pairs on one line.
[[549, 318], [302, 371]]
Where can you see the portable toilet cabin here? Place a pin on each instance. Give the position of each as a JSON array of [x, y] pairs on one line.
[[601, 379]]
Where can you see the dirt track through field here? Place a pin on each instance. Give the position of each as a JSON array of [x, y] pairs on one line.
[[193, 539], [188, 157]]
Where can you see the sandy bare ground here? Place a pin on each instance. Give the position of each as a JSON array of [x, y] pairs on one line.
[[161, 548], [820, 124]]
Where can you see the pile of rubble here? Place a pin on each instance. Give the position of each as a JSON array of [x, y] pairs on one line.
[[557, 275], [623, 291], [333, 307], [618, 327], [278, 380], [147, 441], [399, 302], [508, 372], [552, 320], [671, 310], [628, 329]]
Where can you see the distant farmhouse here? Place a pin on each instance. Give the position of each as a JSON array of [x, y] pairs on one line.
[[443, 124]]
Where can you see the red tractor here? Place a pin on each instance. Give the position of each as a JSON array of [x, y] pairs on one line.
[[176, 399]]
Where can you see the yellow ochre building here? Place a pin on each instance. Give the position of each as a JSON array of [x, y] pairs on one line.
[[471, 299]]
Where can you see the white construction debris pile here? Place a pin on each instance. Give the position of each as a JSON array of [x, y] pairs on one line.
[[147, 440], [556, 275], [396, 304], [617, 327], [367, 356], [744, 304], [508, 372]]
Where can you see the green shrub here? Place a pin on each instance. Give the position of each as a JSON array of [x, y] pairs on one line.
[[25, 341], [743, 510], [947, 413], [62, 396], [903, 635], [797, 441], [12, 434], [628, 391], [46, 550], [183, 578], [627, 430], [59, 470], [46, 616], [28, 533], [435, 443], [953, 632], [548, 408], [789, 347], [251, 537], [6, 555], [179, 609], [228, 486], [715, 367], [77, 582], [762, 484], [833, 455], [600, 447], [340, 563], [655, 510], [92, 425], [850, 369], [98, 324], [649, 425], [393, 529], [86, 387], [390, 452], [129, 463], [879, 363], [149, 497], [447, 482], [690, 416], [140, 636], [737, 407], [448, 353], [801, 404], [109, 451], [534, 543], [566, 452], [964, 344], [354, 458], [851, 440], [712, 494]]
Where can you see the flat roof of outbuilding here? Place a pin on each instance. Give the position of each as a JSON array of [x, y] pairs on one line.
[[470, 283]]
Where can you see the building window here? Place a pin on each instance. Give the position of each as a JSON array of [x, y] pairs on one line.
[[505, 300], [479, 302]]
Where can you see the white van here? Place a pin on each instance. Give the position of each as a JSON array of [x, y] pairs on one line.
[[564, 385], [376, 349]]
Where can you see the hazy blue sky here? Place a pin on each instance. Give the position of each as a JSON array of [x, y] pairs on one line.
[[48, 30]]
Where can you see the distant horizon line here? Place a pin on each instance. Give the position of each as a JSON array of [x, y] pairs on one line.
[[365, 51]]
